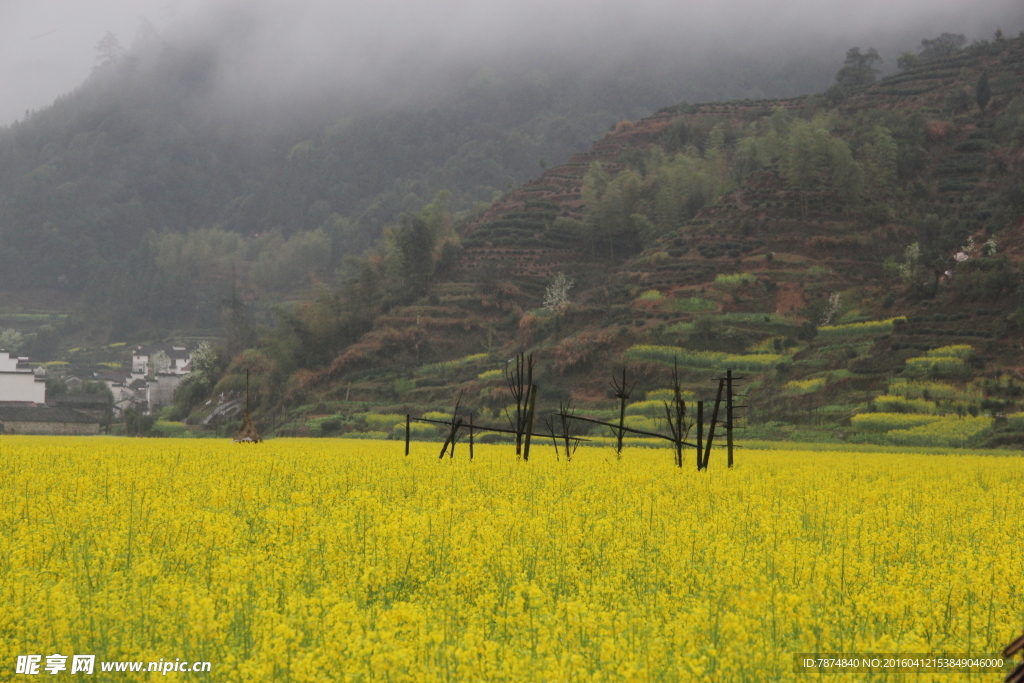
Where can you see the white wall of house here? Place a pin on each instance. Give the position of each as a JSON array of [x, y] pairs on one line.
[[139, 362], [161, 390], [8, 363], [22, 386]]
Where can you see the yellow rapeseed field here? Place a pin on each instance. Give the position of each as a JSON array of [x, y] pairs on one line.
[[311, 560]]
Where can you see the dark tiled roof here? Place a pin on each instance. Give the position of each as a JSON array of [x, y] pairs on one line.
[[42, 414], [79, 400]]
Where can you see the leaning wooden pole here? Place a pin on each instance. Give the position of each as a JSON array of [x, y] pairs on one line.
[[714, 421], [408, 419], [529, 420], [728, 413]]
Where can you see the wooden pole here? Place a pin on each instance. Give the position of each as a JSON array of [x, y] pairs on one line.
[[407, 421], [700, 435], [529, 420], [471, 437], [714, 421], [728, 413]]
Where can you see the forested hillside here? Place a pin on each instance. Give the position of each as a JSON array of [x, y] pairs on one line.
[[848, 251], [143, 200]]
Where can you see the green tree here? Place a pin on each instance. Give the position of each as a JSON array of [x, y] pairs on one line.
[[11, 340], [108, 50], [983, 91], [410, 258], [943, 47], [858, 70], [880, 160]]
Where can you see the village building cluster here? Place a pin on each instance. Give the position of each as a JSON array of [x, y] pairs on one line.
[[149, 386]]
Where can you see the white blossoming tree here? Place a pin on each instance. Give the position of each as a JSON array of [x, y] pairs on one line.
[[556, 296]]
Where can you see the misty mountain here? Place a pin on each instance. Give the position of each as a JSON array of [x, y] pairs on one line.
[[163, 177]]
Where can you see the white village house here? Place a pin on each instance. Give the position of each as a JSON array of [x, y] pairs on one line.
[[172, 360], [19, 382], [23, 408], [156, 373]]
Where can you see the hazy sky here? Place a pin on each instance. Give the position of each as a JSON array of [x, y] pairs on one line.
[[47, 47]]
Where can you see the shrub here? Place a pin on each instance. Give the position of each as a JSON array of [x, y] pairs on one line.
[[804, 386], [884, 422], [961, 351], [693, 305], [920, 389], [947, 431], [447, 366], [491, 374], [898, 404], [937, 366], [661, 395], [870, 327], [417, 430], [175, 430], [735, 279], [643, 423], [947, 360], [702, 359], [651, 295], [379, 422]]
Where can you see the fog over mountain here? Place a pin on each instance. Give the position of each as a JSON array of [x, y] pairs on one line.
[[281, 52]]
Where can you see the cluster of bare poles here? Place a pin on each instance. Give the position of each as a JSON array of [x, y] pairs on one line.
[[560, 425]]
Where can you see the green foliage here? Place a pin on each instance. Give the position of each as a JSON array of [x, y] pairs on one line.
[[702, 359], [444, 367], [735, 280], [692, 305], [867, 328], [173, 430], [805, 386], [661, 396], [11, 340], [417, 430], [899, 404], [884, 422], [960, 432], [944, 361], [815, 159], [983, 91], [858, 70], [378, 422], [960, 351], [914, 389], [644, 423], [649, 408], [207, 367]]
